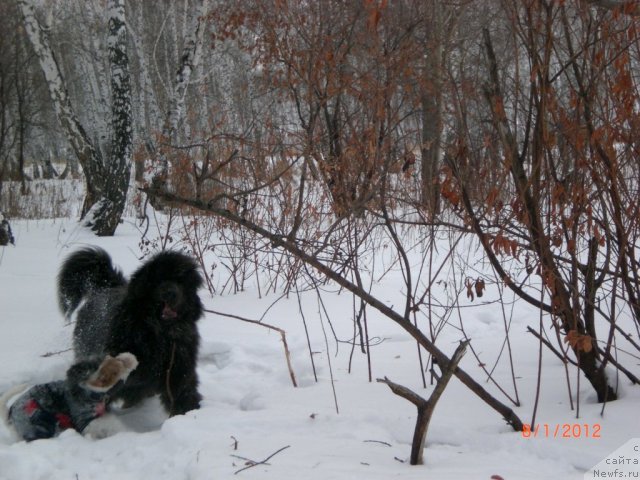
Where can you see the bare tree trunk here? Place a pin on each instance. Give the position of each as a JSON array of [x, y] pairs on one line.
[[431, 105], [107, 211], [106, 182], [147, 103], [72, 128], [431, 102], [190, 59]]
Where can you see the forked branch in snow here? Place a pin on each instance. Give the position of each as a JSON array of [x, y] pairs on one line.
[[426, 407]]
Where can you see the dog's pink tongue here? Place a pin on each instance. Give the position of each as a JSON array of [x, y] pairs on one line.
[[168, 312]]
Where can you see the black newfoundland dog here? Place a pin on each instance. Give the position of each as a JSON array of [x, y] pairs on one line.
[[153, 316]]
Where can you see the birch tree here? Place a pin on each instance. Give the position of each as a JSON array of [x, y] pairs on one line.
[[189, 61], [107, 179]]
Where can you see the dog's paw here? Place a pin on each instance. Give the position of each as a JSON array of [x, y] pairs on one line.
[[129, 361], [103, 427], [111, 371]]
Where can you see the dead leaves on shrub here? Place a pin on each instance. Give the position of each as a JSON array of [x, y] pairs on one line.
[[479, 287], [502, 245], [579, 341]]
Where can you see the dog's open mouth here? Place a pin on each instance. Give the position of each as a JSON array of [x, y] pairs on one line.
[[168, 313]]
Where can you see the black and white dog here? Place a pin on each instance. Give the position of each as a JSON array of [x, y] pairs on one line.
[[45, 410], [153, 316]]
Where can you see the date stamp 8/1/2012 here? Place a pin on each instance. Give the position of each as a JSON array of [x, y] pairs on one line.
[[562, 430]]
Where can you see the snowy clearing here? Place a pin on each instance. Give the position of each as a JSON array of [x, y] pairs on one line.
[[251, 410]]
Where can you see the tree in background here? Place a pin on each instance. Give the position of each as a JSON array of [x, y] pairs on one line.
[[24, 114], [106, 176]]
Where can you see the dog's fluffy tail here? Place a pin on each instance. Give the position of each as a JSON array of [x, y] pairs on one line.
[[85, 270]]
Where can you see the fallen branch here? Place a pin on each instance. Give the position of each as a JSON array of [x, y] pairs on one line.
[[426, 407], [282, 333], [263, 462], [292, 247]]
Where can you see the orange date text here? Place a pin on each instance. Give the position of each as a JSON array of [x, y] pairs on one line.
[[561, 430]]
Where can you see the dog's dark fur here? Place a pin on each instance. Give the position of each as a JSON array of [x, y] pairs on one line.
[[153, 316]]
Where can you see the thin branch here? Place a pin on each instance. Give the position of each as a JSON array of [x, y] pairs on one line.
[[263, 462], [607, 355], [168, 377], [563, 358], [282, 333], [386, 444], [59, 352]]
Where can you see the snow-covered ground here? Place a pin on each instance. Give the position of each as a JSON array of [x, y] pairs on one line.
[[251, 410]]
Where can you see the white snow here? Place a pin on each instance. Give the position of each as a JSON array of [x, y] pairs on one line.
[[251, 410]]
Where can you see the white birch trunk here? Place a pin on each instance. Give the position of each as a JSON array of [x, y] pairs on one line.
[[191, 55], [73, 130], [106, 214]]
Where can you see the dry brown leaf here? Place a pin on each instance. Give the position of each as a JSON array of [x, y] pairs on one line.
[[469, 286], [579, 341]]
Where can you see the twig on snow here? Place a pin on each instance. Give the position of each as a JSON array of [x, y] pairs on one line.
[[263, 462], [378, 441], [59, 352]]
